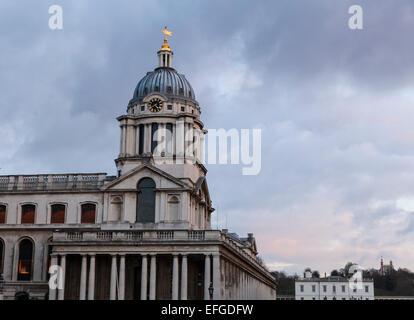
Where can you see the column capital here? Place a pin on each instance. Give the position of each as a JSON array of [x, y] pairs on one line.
[[92, 254]]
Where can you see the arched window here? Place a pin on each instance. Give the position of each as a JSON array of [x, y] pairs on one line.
[[24, 271], [173, 208], [1, 255], [146, 200], [88, 213], [28, 213], [57, 213], [3, 210]]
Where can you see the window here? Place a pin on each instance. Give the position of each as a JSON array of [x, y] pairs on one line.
[[141, 139], [58, 212], [354, 290], [343, 288], [182, 109], [88, 213], [2, 214], [142, 108], [146, 200], [1, 255], [181, 91], [24, 271], [334, 289], [169, 137], [301, 288], [169, 89], [366, 289], [324, 288], [313, 288], [154, 137], [28, 213], [169, 107]]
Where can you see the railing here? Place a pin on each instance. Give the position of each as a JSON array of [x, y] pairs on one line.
[[196, 235], [52, 182], [158, 236], [135, 235]]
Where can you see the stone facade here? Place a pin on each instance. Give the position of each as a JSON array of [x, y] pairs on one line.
[[144, 234]]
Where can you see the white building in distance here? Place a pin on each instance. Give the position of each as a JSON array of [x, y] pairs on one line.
[[334, 287]]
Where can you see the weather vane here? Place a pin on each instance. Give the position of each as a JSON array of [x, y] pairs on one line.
[[166, 32]]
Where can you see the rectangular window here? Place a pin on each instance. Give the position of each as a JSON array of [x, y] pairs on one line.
[[154, 137], [343, 288], [169, 107], [366, 288], [324, 288], [2, 214], [301, 288], [28, 214], [182, 109], [169, 138], [334, 289], [142, 108], [141, 139], [313, 288]]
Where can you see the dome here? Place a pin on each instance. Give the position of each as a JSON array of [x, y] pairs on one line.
[[166, 81]]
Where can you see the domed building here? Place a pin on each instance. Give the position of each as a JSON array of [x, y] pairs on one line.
[[142, 234]]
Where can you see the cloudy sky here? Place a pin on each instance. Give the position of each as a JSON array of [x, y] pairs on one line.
[[335, 107]]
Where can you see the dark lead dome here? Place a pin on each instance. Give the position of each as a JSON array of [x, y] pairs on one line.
[[166, 81]]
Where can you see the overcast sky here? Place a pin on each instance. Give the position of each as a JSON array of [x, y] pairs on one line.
[[335, 107]]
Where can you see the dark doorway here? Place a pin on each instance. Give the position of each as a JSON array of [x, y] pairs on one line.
[[72, 277], [195, 278], [164, 277], [102, 277]]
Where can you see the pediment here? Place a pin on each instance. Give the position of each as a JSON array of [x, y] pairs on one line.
[[129, 180]]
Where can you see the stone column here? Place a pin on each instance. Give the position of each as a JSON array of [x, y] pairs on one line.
[[175, 277], [82, 291], [61, 292], [184, 277], [112, 294], [153, 277], [91, 281], [121, 293], [206, 277], [216, 276], [144, 281], [52, 291]]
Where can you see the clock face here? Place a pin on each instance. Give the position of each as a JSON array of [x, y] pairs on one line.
[[155, 105]]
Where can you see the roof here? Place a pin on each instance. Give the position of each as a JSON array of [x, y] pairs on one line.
[[166, 81]]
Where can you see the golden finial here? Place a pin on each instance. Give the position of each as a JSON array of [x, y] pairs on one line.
[[165, 45]]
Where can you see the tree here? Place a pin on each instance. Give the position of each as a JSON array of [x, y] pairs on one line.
[[334, 273]]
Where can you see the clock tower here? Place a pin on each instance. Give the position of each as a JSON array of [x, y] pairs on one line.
[[162, 125]]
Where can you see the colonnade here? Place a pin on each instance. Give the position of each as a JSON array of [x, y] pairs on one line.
[[117, 277]]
